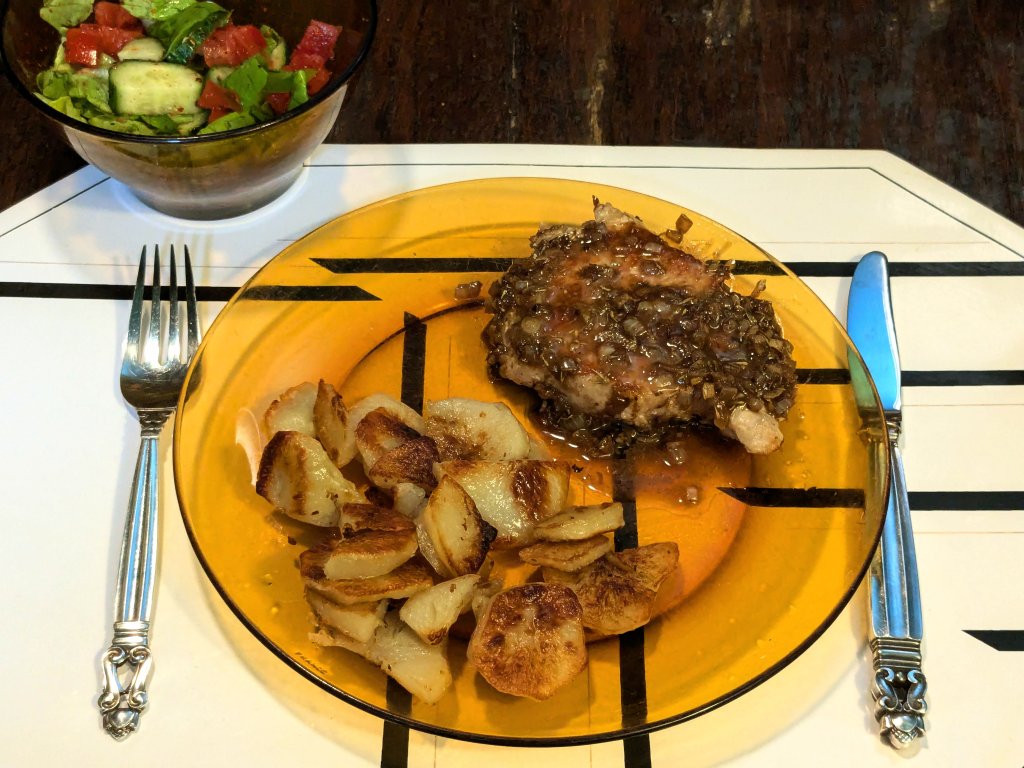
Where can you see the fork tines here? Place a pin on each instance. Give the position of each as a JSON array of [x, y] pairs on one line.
[[149, 350]]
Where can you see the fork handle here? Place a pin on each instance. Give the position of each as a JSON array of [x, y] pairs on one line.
[[127, 664]]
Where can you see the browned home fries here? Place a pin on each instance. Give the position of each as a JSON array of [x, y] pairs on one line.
[[405, 559]]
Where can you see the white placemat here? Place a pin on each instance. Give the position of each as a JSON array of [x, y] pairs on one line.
[[218, 696]]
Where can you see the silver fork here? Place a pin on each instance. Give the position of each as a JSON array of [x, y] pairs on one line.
[[151, 386]]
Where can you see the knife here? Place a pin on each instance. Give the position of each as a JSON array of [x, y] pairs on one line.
[[896, 627]]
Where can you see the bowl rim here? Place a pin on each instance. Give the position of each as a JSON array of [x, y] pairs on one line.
[[333, 87]]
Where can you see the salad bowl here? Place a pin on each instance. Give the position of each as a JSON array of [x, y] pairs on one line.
[[214, 175]]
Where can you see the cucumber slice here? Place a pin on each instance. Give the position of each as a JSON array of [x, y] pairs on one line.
[[276, 52], [217, 75], [154, 88], [184, 32], [142, 49]]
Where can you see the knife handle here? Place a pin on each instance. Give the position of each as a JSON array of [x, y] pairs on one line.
[[899, 684]]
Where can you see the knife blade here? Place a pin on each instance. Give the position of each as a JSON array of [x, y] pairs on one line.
[[897, 629]]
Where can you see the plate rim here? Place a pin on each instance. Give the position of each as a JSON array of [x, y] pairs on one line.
[[520, 741]]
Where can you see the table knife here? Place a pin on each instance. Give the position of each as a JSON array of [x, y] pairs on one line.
[[895, 600]]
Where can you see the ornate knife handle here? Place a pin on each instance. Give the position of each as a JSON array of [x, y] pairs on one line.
[[127, 664], [897, 627]]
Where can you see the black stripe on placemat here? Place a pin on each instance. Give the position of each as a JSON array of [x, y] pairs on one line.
[[1000, 639], [896, 268], [397, 266], [632, 662], [104, 291], [394, 748], [808, 498], [967, 501], [963, 378], [394, 742]]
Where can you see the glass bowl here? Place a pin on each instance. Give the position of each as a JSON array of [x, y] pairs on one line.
[[771, 549], [213, 176]]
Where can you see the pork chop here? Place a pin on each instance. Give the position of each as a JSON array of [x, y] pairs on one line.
[[626, 336]]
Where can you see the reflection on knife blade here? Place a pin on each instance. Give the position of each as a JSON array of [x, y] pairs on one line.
[[896, 624]]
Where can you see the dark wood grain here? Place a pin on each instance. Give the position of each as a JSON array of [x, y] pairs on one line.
[[937, 82]]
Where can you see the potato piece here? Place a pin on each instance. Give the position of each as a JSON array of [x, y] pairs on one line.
[[512, 495], [529, 640], [618, 592], [360, 555], [652, 563], [378, 433], [475, 430], [330, 422], [292, 411], [429, 551], [406, 580], [409, 499], [420, 668], [581, 523], [460, 537], [297, 476], [370, 517], [357, 621], [566, 555], [431, 613], [485, 591], [400, 411], [411, 462]]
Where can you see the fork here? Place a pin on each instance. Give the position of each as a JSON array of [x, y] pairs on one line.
[[151, 387]]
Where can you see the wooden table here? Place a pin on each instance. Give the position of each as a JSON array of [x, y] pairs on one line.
[[934, 81]]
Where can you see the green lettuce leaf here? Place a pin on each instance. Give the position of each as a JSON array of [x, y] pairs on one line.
[[184, 32], [229, 122], [64, 105], [248, 81], [300, 95], [156, 10], [122, 124], [61, 14], [86, 88]]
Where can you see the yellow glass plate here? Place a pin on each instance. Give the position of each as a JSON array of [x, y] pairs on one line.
[[771, 551]]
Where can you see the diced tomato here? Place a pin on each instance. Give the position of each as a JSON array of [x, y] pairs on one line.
[[216, 97], [230, 45], [319, 38], [305, 60], [279, 102], [82, 46], [318, 81], [217, 113], [86, 42], [115, 15]]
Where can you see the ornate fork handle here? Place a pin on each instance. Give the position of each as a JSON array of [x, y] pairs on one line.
[[127, 664]]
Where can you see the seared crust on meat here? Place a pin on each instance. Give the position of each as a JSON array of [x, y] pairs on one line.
[[529, 640], [625, 335]]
